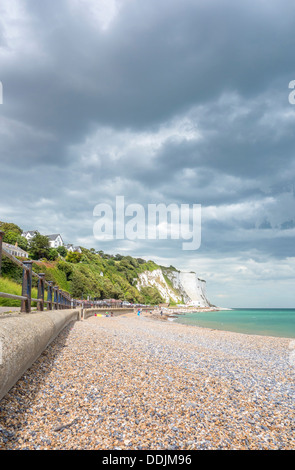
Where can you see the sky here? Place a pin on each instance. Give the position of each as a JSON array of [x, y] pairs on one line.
[[160, 102]]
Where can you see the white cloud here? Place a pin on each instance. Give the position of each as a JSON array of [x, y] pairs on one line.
[[161, 102], [18, 31], [100, 13], [108, 144]]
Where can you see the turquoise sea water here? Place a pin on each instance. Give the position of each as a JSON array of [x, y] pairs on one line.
[[269, 322]]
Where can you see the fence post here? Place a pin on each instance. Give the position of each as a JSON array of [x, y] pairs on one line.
[[49, 295], [40, 304], [55, 289], [26, 305], [1, 240], [60, 299]]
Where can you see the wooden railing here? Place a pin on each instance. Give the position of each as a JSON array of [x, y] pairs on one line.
[[56, 298]]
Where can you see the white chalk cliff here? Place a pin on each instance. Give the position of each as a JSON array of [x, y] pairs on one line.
[[180, 287]]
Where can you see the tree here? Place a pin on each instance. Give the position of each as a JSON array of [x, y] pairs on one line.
[[12, 237], [22, 242], [62, 251], [79, 284], [53, 254], [7, 226], [39, 246]]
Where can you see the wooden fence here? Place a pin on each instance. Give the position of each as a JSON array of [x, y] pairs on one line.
[[56, 298]]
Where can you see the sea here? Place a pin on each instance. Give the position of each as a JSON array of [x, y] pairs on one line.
[[258, 321]]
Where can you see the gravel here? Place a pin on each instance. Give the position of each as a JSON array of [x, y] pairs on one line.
[[138, 383]]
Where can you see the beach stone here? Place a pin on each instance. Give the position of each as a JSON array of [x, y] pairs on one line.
[[128, 383]]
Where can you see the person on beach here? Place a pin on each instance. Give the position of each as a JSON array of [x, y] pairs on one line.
[[138, 312]]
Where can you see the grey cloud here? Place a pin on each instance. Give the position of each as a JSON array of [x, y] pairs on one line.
[[80, 101], [150, 65]]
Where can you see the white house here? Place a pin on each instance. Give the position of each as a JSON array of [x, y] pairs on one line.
[[73, 249], [15, 250], [55, 240], [29, 235]]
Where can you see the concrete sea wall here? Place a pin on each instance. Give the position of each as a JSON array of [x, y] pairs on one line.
[[24, 337]]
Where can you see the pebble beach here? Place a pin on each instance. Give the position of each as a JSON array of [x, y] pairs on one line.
[[141, 383]]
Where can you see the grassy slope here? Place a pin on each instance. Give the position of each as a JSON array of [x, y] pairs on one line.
[[11, 287]]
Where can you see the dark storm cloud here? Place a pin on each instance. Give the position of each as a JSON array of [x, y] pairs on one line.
[[151, 64], [168, 101]]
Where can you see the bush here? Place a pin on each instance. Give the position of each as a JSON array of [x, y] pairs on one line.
[[53, 254], [151, 295], [67, 268], [11, 270], [73, 257]]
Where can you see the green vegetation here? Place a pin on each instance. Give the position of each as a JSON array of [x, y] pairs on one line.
[[39, 247], [11, 287], [166, 271], [12, 235], [90, 273]]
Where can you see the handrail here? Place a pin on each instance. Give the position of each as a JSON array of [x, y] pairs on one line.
[[12, 296], [61, 300], [56, 298]]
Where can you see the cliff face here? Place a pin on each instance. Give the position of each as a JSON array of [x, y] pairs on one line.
[[156, 279], [195, 289], [181, 287]]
